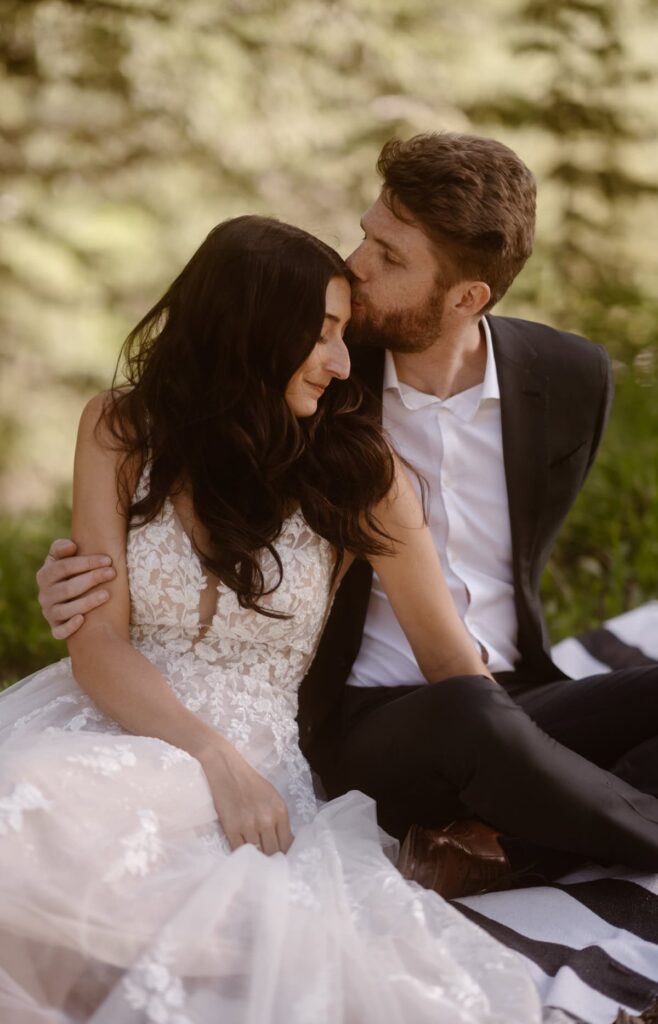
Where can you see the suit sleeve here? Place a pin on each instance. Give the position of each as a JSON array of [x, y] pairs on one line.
[[607, 394]]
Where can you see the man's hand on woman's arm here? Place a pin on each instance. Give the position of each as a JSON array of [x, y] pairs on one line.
[[66, 586]]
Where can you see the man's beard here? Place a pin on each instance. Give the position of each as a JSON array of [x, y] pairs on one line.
[[401, 330]]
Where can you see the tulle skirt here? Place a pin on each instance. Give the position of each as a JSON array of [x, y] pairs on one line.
[[121, 903]]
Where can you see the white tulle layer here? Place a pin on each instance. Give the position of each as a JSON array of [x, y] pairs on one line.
[[120, 902]]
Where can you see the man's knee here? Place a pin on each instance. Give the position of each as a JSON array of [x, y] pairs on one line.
[[471, 709], [469, 696]]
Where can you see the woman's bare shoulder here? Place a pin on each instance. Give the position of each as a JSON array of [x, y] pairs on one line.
[[98, 434]]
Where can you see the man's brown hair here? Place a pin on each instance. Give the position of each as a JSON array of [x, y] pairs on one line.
[[474, 197]]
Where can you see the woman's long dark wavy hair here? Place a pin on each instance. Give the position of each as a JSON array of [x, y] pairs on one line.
[[207, 368]]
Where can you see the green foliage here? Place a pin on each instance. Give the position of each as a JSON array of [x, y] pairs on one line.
[[592, 128], [25, 640], [606, 558]]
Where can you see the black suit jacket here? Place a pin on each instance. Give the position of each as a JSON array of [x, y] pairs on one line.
[[555, 393]]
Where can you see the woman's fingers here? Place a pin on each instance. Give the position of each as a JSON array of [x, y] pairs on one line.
[[249, 808], [251, 835], [269, 840], [271, 837], [284, 835]]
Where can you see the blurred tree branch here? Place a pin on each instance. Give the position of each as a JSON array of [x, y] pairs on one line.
[[584, 110]]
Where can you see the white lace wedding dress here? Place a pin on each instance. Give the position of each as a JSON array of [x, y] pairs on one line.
[[120, 901]]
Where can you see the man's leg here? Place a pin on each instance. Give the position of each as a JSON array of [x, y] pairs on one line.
[[611, 719], [463, 746], [373, 745]]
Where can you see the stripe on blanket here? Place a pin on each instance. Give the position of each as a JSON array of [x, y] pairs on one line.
[[611, 651], [618, 901], [592, 965], [627, 640], [590, 940]]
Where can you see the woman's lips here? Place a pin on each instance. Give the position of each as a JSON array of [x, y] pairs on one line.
[[321, 388]]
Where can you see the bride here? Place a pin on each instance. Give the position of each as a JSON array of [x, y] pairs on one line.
[[163, 856]]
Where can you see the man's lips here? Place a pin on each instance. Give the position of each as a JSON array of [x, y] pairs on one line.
[[321, 388]]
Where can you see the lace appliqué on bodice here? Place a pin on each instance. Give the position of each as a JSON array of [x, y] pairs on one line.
[[242, 670]]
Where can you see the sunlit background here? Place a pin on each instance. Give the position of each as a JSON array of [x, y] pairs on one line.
[[131, 128]]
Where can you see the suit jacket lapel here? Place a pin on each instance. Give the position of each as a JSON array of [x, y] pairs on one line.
[[524, 416]]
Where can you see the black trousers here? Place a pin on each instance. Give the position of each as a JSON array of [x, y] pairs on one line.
[[570, 765]]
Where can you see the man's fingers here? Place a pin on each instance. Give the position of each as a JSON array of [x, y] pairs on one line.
[[54, 570], [70, 589], [58, 614], [62, 548], [66, 629], [68, 568]]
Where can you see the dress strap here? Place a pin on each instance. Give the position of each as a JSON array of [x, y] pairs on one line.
[[142, 487]]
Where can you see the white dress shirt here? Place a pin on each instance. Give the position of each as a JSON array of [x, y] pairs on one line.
[[456, 445]]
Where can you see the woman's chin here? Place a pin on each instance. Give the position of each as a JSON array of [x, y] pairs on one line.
[[304, 409]]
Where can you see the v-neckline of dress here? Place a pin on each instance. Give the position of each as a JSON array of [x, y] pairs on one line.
[[212, 583]]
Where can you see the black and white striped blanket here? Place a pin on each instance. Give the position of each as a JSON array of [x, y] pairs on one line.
[[591, 939]]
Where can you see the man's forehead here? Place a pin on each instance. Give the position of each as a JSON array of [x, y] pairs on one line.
[[380, 219]]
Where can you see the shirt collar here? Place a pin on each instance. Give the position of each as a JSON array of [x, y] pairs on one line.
[[465, 404], [490, 385]]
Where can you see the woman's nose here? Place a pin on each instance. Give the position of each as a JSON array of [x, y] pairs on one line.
[[338, 360]]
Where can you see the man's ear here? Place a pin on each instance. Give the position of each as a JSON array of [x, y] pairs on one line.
[[472, 297]]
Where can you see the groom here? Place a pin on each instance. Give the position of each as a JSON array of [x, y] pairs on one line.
[[503, 418]]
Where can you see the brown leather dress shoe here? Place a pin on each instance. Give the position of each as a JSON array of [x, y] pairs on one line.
[[459, 859]]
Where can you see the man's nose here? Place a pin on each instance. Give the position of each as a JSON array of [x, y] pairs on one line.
[[338, 360], [356, 262]]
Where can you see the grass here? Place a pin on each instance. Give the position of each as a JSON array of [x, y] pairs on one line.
[[25, 640], [606, 559]]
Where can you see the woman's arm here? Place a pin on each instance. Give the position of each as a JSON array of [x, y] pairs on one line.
[[413, 580], [123, 683], [120, 680]]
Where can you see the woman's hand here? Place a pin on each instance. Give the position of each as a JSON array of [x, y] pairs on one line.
[[249, 808]]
